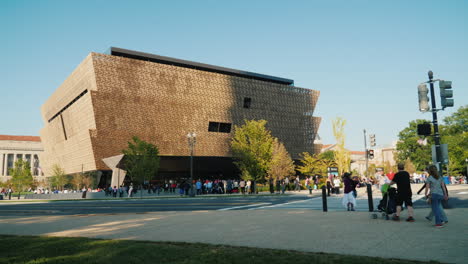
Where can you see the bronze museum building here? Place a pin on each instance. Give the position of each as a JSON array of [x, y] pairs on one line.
[[109, 98]]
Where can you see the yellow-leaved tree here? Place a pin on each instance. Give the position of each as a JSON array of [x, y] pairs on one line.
[[342, 156]]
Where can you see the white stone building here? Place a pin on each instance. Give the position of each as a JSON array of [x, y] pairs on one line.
[[27, 148]]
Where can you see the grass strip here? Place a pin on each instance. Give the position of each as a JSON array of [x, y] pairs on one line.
[[41, 249]]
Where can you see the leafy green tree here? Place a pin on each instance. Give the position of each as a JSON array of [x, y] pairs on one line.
[[342, 156], [21, 177], [311, 164], [409, 148], [281, 164], [252, 149], [455, 134], [141, 160], [409, 167], [327, 155], [58, 179]]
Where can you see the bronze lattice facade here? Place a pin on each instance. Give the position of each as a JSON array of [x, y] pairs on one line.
[[111, 97]]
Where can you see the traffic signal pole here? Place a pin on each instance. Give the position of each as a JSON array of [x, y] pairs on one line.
[[367, 155], [436, 125]]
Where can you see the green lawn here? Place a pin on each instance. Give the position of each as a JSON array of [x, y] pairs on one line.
[[37, 249]]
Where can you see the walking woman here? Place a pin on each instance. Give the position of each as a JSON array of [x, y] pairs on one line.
[[436, 184], [348, 199]]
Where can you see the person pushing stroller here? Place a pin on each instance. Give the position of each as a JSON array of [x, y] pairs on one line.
[[402, 180]]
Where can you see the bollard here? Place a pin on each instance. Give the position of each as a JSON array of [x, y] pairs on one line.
[[369, 197], [324, 198]]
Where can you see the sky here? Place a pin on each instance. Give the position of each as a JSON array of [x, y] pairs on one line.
[[365, 57]]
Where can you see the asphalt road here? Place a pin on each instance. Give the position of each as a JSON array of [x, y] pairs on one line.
[[459, 199], [120, 206]]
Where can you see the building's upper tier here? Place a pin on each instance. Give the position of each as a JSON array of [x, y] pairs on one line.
[[195, 65]]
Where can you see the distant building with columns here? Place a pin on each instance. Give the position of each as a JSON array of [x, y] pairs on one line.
[[13, 148]]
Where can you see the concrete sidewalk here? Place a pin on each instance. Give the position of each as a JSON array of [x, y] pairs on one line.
[[343, 232]]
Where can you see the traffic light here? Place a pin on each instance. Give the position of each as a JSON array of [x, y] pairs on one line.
[[371, 153], [445, 93], [423, 98], [372, 140]]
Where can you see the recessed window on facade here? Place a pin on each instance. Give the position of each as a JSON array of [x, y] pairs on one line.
[[247, 102], [219, 127]]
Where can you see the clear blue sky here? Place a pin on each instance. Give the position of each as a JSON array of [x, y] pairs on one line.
[[365, 57]]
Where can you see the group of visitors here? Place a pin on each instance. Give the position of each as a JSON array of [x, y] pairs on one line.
[[434, 190]]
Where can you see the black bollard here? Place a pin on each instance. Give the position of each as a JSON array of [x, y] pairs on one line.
[[324, 198], [369, 197]]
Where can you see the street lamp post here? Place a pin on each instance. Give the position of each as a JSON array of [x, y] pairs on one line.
[[192, 139]]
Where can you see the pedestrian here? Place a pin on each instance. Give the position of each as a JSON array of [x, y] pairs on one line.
[[349, 201], [297, 183], [130, 190], [336, 184], [199, 187], [402, 180], [354, 184], [436, 185], [283, 186], [329, 186], [242, 186], [278, 186], [249, 187]]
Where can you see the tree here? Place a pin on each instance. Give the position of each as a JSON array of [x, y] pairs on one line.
[[342, 156], [252, 149], [77, 180], [141, 160], [327, 155], [314, 164], [409, 167], [310, 164], [455, 134], [21, 177], [281, 164], [409, 148], [389, 168], [58, 178]]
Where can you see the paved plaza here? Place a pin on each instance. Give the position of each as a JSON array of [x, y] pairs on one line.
[[285, 226]]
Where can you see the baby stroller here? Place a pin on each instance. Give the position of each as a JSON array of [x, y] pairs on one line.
[[388, 203]]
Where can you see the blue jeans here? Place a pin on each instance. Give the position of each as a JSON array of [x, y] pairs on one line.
[[436, 201], [444, 216]]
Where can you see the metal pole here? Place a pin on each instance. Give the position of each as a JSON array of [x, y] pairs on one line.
[[191, 169], [324, 198], [367, 155], [369, 198], [436, 125], [191, 140]]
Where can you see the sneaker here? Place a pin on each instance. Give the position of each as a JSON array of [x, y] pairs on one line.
[[439, 226], [396, 218], [352, 209], [410, 219], [428, 219]]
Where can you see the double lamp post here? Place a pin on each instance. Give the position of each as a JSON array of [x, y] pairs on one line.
[[192, 139]]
